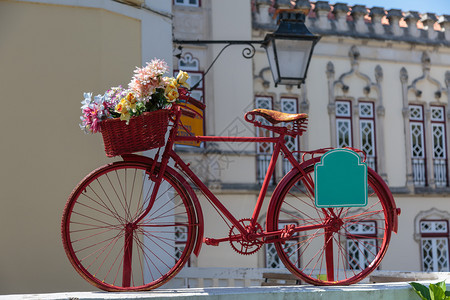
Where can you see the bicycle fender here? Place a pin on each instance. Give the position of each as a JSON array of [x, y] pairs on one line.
[[393, 211], [182, 180]]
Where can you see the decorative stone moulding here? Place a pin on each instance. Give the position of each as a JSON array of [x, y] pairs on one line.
[[358, 13], [431, 214], [426, 66], [444, 22], [428, 20], [394, 16], [411, 18], [322, 9], [340, 11], [341, 20], [377, 14]]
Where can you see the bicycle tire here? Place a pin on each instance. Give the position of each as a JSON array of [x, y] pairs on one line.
[[341, 254], [101, 208]]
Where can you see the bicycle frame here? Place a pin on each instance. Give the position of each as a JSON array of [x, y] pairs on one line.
[[107, 239], [280, 146]]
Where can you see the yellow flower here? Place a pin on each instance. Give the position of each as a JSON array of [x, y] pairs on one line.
[[131, 98], [182, 77], [124, 107], [171, 91], [172, 95], [125, 116], [171, 85]]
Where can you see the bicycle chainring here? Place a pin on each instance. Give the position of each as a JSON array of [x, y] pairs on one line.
[[243, 246]]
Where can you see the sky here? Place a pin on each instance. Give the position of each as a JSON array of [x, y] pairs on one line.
[[439, 7]]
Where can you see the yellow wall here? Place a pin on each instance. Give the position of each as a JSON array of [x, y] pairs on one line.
[[50, 55]]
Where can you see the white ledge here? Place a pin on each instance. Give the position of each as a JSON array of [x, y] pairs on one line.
[[383, 291]]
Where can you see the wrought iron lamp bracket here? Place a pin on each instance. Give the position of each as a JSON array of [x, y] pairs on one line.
[[248, 52]]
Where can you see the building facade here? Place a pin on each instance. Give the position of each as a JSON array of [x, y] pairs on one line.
[[378, 81]]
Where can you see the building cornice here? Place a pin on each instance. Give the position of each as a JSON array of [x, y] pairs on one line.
[[365, 23]]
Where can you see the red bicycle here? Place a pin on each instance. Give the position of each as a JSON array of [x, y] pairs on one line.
[[132, 225]]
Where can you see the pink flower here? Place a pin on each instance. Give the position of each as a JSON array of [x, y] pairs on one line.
[[147, 79]]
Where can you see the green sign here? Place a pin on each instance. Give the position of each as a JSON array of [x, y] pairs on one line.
[[340, 180]]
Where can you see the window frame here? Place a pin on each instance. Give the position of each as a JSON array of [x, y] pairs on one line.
[[434, 236], [261, 132], [286, 165], [442, 122], [419, 179], [361, 237], [200, 88], [346, 118], [369, 119], [187, 4], [266, 248]]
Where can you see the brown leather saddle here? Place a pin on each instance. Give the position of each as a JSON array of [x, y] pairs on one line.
[[276, 117]]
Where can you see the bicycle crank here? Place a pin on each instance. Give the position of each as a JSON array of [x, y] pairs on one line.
[[240, 243]]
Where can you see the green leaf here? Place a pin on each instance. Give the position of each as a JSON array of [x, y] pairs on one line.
[[442, 285], [421, 290], [436, 292]]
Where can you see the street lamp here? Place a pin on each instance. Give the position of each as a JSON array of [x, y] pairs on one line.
[[289, 48]]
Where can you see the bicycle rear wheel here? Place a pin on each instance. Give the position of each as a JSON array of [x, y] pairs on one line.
[[346, 245], [104, 244]]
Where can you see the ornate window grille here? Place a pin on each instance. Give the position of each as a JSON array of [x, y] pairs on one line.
[[289, 105], [195, 3], [344, 123], [272, 258], [180, 240], [361, 244], [434, 245], [192, 65], [417, 130], [439, 143], [367, 132], [263, 150]]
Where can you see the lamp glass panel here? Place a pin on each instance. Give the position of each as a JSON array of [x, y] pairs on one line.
[[272, 61], [293, 56]]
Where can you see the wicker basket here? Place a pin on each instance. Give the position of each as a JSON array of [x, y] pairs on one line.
[[142, 133]]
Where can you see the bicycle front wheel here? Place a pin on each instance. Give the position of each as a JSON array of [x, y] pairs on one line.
[[105, 244], [330, 246]]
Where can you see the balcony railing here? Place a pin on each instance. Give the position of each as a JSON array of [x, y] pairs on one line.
[[440, 172], [419, 173]]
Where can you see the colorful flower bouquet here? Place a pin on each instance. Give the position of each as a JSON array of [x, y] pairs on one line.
[[136, 118], [148, 91]]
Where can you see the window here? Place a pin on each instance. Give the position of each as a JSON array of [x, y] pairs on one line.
[[196, 124], [361, 244], [434, 245], [263, 150], [439, 145], [195, 3], [416, 122], [289, 105], [191, 65], [344, 124], [181, 233], [273, 260], [367, 132]]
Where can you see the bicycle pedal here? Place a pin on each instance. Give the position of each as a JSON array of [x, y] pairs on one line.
[[211, 242]]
